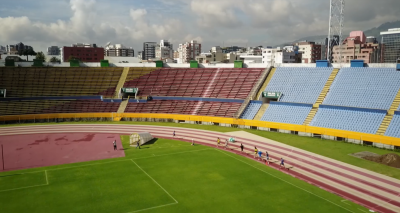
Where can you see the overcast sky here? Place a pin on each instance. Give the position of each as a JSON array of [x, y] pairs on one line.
[[212, 22]]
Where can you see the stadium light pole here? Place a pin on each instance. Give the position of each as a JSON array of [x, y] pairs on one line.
[[336, 22]]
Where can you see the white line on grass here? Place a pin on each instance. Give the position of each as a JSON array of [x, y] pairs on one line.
[[344, 201], [175, 153], [361, 210], [93, 164], [155, 181], [27, 187], [7, 190], [155, 207], [47, 179], [285, 181], [115, 161]]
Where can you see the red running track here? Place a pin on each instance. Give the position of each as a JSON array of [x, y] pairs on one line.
[[39, 150]]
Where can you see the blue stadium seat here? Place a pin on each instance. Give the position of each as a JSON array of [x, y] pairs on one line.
[[373, 88], [394, 127], [299, 85], [351, 119], [290, 113], [251, 110]]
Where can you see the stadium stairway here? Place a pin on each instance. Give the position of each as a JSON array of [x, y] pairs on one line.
[[389, 116], [253, 95], [271, 74], [121, 109], [261, 112], [328, 84], [321, 97], [311, 116], [121, 81]]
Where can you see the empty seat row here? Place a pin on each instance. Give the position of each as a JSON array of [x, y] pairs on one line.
[[394, 128], [351, 119], [299, 85], [56, 106], [35, 82], [211, 82], [373, 88], [218, 109], [251, 110], [290, 113]]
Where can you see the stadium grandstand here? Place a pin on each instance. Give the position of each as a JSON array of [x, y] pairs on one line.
[[359, 100]]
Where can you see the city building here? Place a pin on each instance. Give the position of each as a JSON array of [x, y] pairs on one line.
[[391, 45], [164, 50], [217, 55], [3, 50], [140, 55], [249, 58], [149, 50], [273, 56], [311, 52], [233, 49], [358, 46], [14, 49], [53, 50], [118, 50], [82, 52], [188, 51], [254, 50]]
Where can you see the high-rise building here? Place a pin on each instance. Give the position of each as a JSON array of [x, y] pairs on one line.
[[391, 45], [188, 51], [216, 55], [82, 52], [53, 50], [119, 50], [149, 50], [358, 46], [311, 52], [164, 50]]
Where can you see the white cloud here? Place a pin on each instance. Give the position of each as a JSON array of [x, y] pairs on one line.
[[212, 22]]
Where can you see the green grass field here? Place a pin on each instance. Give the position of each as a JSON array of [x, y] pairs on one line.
[[333, 149], [164, 176]]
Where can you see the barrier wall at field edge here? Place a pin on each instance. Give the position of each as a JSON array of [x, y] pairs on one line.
[[384, 140]]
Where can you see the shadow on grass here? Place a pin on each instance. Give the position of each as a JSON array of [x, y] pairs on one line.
[[153, 141]]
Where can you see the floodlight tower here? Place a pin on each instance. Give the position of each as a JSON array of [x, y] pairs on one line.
[[336, 21]]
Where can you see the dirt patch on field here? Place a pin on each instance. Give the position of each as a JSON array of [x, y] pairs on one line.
[[392, 160], [364, 154]]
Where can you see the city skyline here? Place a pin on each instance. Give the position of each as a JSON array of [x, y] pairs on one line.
[[213, 23]]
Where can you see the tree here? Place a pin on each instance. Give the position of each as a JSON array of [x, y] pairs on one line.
[[55, 59], [41, 56], [27, 52]]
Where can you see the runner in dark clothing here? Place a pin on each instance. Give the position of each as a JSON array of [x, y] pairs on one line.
[[115, 144], [241, 147]]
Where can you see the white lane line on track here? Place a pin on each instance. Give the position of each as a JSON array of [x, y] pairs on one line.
[[286, 181]]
